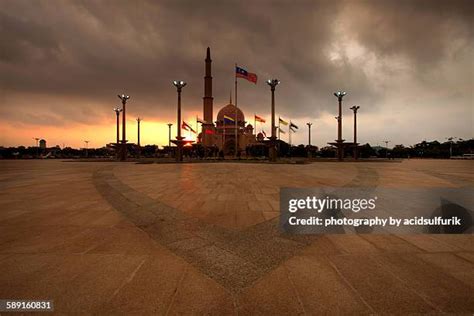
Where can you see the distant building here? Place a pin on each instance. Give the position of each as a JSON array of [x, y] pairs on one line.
[[42, 144]]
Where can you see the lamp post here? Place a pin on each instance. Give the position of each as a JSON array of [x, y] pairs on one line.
[[340, 148], [309, 133], [37, 146], [451, 139], [179, 84], [138, 131], [87, 147], [273, 83], [169, 136], [309, 139], [138, 136], [124, 99], [354, 109], [386, 147], [117, 114]]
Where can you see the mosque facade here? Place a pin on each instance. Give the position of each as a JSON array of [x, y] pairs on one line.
[[230, 131]]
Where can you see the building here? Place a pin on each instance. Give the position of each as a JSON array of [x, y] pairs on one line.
[[42, 144], [225, 134]]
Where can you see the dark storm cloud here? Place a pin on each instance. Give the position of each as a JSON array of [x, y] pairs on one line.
[[88, 51], [421, 30]]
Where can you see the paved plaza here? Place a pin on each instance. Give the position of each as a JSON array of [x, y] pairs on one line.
[[203, 238]]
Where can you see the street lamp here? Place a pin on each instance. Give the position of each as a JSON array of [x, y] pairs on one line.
[[117, 113], [340, 148], [273, 83], [124, 99], [138, 136], [386, 147], [37, 146], [451, 139], [139, 119], [179, 84], [169, 136], [309, 133], [354, 109], [87, 147]]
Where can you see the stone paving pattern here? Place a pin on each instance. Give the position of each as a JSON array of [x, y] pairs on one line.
[[202, 239]]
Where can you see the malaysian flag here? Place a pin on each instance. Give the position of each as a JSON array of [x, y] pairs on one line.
[[199, 120], [187, 127], [242, 73], [282, 121], [293, 127], [209, 132], [259, 119]]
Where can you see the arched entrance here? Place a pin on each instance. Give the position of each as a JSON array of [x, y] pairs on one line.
[[229, 147]]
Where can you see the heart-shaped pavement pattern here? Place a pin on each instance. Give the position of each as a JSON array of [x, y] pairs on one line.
[[233, 255], [235, 259]]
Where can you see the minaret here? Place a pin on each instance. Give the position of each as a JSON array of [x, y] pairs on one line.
[[208, 99]]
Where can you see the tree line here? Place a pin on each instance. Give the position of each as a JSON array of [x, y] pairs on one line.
[[424, 149]]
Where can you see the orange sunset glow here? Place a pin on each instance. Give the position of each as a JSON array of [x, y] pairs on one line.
[[153, 132]]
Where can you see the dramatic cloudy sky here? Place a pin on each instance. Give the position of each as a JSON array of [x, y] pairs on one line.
[[407, 64]]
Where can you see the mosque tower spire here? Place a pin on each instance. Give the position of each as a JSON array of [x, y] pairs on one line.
[[208, 99]]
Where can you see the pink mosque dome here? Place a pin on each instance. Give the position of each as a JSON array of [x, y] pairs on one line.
[[232, 111]]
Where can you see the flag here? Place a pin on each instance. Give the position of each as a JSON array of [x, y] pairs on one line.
[[199, 120], [282, 121], [282, 131], [187, 127], [242, 73], [259, 119], [228, 119], [293, 125]]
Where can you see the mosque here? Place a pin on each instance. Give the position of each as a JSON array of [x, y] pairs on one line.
[[230, 131]]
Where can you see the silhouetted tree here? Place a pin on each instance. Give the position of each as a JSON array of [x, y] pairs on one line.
[[328, 152], [366, 151]]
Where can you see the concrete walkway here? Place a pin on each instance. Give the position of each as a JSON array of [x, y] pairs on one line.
[[203, 238]]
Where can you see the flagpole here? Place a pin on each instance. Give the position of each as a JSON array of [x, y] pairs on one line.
[[289, 137], [279, 138], [278, 128], [235, 75], [289, 134], [255, 121]]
